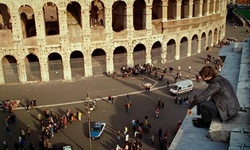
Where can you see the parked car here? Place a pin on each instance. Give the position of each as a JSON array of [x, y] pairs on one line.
[[97, 130]]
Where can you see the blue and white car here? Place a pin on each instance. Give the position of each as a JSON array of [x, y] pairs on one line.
[[97, 130]]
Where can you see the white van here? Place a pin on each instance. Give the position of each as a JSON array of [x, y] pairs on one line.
[[181, 87]]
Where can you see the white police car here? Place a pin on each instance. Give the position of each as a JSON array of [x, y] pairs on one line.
[[97, 130]]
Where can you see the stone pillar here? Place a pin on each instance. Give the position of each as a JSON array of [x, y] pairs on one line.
[[190, 9], [200, 8], [88, 64], [130, 57], [22, 76], [110, 60], [16, 29], [149, 20], [1, 73], [164, 10], [199, 46], [40, 27], [207, 7], [148, 54], [63, 27], [164, 55], [130, 27], [66, 67], [85, 21], [189, 53], [218, 2], [177, 51], [178, 10], [214, 3], [44, 67], [108, 23]]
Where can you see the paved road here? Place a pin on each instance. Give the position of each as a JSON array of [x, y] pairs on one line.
[[71, 95]]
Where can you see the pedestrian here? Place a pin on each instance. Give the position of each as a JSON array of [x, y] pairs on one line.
[[8, 131], [6, 121], [28, 130], [175, 99], [79, 115], [157, 112], [189, 68], [5, 144], [152, 138], [160, 132], [27, 105], [179, 68], [16, 146], [218, 99], [31, 146], [167, 83], [127, 137], [118, 135], [162, 105], [109, 98]]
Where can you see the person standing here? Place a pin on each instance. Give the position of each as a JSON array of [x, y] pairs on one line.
[[218, 99]]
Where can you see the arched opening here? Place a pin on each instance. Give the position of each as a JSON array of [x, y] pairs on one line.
[[119, 12], [5, 19], [77, 64], [74, 19], [139, 54], [55, 66], [194, 46], [99, 62], [51, 18], [156, 53], [172, 6], [184, 47], [32, 68], [120, 58], [139, 15], [97, 13], [27, 21], [184, 8], [196, 8], [157, 9], [171, 48], [10, 72]]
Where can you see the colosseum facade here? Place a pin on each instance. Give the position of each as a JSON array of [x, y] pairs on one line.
[[66, 40]]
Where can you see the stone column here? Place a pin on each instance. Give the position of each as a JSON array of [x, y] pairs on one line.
[[218, 2], [1, 73], [164, 10], [43, 60], [130, 27], [130, 57], [40, 27], [108, 23], [207, 7], [189, 53], [110, 60], [199, 46], [85, 21], [22, 76], [149, 20], [200, 8], [164, 55], [66, 67], [177, 51], [214, 3], [63, 27], [178, 10], [88, 64], [190, 9], [148, 54], [16, 29]]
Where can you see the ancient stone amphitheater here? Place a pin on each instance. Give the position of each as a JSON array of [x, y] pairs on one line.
[[43, 41]]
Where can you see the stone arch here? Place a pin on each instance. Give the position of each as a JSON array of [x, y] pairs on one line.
[[55, 66], [139, 54], [27, 21], [204, 7], [120, 58], [194, 44], [172, 4], [10, 71], [5, 18], [139, 15], [157, 9], [77, 64], [196, 8], [209, 38], [203, 41], [119, 12], [184, 47], [99, 62], [32, 66], [171, 50], [74, 14], [156, 53], [51, 18], [97, 13]]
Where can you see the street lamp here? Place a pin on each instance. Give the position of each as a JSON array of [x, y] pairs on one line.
[[88, 114]]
